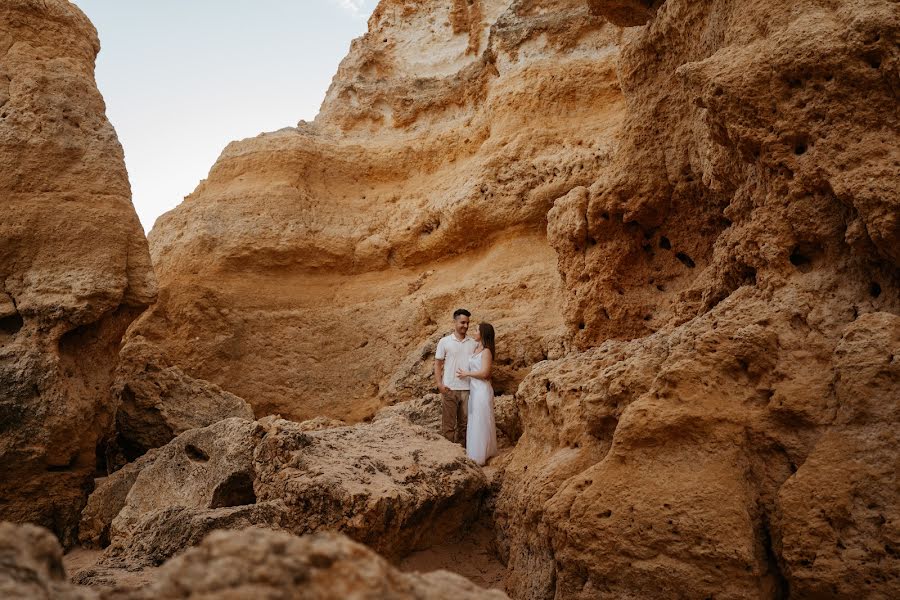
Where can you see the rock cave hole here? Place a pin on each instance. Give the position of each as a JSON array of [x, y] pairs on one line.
[[803, 255], [582, 325], [195, 454], [686, 260], [12, 324], [874, 289], [800, 147], [873, 60], [72, 462], [664, 243], [236, 490]]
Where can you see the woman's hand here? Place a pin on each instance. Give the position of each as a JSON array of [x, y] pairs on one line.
[[460, 373]]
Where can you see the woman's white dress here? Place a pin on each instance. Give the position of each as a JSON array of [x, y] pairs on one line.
[[481, 436]]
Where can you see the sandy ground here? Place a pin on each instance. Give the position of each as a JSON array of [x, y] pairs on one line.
[[81, 568], [472, 557]]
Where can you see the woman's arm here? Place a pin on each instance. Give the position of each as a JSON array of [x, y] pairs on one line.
[[487, 361]]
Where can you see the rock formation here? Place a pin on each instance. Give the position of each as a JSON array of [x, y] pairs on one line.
[[262, 564], [157, 400], [31, 566], [683, 217], [730, 430], [389, 484], [74, 264], [253, 563], [313, 271]]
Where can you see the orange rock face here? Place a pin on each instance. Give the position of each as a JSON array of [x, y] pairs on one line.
[[731, 429], [74, 264], [314, 270]]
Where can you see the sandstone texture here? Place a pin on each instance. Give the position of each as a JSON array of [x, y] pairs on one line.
[[391, 485], [314, 270], [158, 401], [31, 566], [74, 264], [257, 563], [729, 430], [251, 563]]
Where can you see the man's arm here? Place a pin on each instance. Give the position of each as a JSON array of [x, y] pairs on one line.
[[487, 362], [439, 375]]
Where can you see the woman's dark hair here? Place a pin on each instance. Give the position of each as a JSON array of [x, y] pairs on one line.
[[486, 330], [461, 311]]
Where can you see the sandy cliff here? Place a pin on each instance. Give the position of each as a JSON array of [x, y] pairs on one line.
[[313, 271], [682, 216], [74, 264], [731, 431]]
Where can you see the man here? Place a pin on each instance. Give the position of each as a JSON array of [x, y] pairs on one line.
[[453, 351]]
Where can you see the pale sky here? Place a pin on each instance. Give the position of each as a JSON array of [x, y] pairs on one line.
[[182, 78]]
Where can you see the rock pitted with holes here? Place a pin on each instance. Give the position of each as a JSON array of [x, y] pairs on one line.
[[730, 429], [74, 265], [389, 484]]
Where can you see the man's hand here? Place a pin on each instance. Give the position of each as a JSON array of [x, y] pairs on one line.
[[443, 389]]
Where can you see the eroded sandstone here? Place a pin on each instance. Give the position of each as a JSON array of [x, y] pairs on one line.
[[389, 484], [732, 279], [423, 185], [74, 264]]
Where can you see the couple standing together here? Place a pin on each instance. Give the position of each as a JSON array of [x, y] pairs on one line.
[[462, 372]]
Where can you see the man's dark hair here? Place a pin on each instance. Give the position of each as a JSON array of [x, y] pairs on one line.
[[461, 311]]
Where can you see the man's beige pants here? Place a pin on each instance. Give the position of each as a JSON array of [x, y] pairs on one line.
[[455, 415]]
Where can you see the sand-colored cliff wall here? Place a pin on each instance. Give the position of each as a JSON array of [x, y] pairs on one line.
[[313, 271], [731, 429], [74, 264]]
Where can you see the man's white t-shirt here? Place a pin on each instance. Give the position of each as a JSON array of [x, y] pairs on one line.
[[455, 354]]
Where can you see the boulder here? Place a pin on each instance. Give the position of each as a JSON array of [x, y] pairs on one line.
[[158, 401], [31, 566], [391, 485], [107, 500], [258, 563], [249, 563]]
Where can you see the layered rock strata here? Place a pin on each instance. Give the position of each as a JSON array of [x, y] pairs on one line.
[[389, 484], [74, 264], [730, 430], [313, 271]]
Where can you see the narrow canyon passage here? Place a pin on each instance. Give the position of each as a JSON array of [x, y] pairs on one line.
[[681, 217]]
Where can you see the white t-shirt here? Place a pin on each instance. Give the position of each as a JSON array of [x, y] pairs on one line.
[[455, 354]]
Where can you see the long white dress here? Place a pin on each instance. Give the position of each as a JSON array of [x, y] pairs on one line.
[[481, 436]]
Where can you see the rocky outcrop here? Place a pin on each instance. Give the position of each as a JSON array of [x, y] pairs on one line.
[[259, 563], [314, 269], [158, 401], [389, 484], [74, 264], [107, 501], [252, 563], [31, 566], [733, 280]]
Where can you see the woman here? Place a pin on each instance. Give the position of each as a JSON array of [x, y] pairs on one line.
[[481, 437]]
